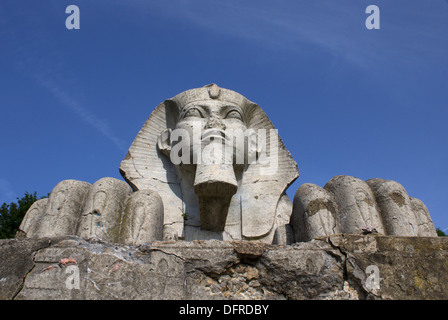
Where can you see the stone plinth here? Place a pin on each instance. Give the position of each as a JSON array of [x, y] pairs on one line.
[[335, 267]]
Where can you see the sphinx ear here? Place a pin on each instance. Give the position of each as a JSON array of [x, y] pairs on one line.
[[164, 142]]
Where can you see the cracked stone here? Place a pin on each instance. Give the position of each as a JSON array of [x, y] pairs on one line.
[[327, 268]]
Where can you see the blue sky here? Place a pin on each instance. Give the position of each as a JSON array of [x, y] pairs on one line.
[[345, 100]]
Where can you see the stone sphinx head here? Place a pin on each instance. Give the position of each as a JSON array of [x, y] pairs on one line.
[[217, 163]]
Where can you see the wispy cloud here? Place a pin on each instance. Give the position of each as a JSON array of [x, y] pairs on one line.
[[80, 111], [38, 57], [409, 31]]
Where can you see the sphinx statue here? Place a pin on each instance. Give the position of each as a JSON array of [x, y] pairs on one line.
[[218, 164], [209, 164]]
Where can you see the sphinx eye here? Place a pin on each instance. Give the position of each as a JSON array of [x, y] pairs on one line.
[[233, 114], [193, 112]]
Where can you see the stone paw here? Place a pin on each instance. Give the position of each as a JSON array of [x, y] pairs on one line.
[[349, 205]]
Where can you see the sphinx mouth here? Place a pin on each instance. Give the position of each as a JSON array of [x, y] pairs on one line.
[[210, 135]]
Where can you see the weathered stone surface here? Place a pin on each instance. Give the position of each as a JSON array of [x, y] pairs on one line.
[[30, 226], [356, 204], [64, 207], [16, 261], [102, 213], [143, 218], [314, 213], [349, 205], [332, 267], [426, 227], [409, 267], [283, 232], [395, 207]]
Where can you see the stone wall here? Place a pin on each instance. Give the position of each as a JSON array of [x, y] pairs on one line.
[[335, 267]]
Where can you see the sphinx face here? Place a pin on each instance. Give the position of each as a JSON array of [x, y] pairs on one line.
[[211, 132], [214, 141]]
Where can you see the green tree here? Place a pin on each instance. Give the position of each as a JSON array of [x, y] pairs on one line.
[[440, 233], [11, 215]]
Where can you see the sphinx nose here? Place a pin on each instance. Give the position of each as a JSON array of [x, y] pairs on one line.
[[215, 123]]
